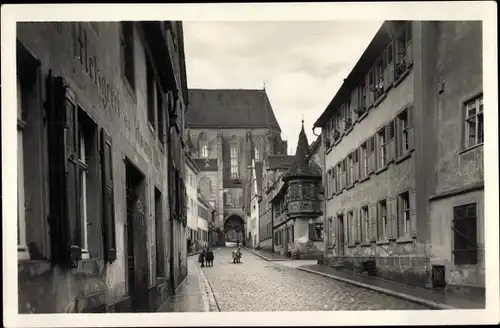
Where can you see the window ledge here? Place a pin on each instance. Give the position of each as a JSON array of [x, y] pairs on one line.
[[23, 254], [329, 197], [382, 169], [404, 240], [363, 116], [366, 244], [383, 242], [349, 129], [349, 186], [466, 150], [364, 179], [129, 88], [351, 245], [380, 99], [336, 142], [402, 157], [329, 150], [402, 76]]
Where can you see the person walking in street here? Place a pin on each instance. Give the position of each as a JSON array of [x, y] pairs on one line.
[[210, 257], [201, 258]]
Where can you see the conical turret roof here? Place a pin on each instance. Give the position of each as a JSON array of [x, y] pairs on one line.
[[302, 166]]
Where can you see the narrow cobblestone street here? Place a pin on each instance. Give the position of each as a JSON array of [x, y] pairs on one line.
[[259, 285]]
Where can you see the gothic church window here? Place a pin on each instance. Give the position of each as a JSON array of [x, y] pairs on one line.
[[234, 158], [203, 145]]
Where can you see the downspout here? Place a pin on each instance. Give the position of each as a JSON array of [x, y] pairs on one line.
[[325, 218]]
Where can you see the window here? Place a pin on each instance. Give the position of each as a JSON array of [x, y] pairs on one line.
[[362, 97], [203, 145], [404, 210], [379, 78], [364, 159], [465, 247], [403, 52], [382, 220], [234, 161], [350, 173], [127, 48], [257, 153], [319, 231], [403, 123], [382, 156], [474, 125]]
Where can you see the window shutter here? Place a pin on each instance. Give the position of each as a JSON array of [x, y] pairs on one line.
[[378, 222], [355, 156], [334, 230], [399, 139], [354, 100], [411, 130], [370, 95], [311, 232], [356, 218], [109, 229], [391, 142], [409, 46], [58, 218], [389, 70], [94, 228], [372, 211], [392, 210], [413, 213], [371, 155]]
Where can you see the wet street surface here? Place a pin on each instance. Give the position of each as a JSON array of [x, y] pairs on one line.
[[259, 285]]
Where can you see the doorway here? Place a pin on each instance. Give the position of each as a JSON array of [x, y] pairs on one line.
[[340, 234], [137, 265]]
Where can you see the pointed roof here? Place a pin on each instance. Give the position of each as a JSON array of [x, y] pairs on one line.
[[302, 165], [230, 109]]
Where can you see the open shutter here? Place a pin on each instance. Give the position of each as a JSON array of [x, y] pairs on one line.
[[392, 225], [355, 170], [413, 213], [94, 226], [411, 130], [109, 229], [311, 231], [371, 156], [333, 230], [373, 221], [370, 94], [391, 141], [409, 45], [357, 226], [58, 218], [399, 139]]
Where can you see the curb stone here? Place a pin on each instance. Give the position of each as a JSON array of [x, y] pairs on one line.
[[208, 298], [265, 258], [406, 297]]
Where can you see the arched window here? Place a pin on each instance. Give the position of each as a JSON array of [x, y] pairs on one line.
[[234, 158], [203, 145], [257, 151]]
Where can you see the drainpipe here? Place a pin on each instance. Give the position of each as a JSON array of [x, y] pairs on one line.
[[326, 225], [272, 228]]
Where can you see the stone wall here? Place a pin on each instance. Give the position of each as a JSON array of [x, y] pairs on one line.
[[100, 90]]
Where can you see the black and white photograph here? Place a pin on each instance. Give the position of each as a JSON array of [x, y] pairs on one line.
[[220, 164]]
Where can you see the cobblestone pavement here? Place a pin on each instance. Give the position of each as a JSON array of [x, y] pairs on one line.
[[259, 285]]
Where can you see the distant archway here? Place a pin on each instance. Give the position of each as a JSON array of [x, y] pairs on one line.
[[234, 229]]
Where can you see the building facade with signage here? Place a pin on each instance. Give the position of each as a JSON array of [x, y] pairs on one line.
[[403, 151], [101, 193], [227, 129]]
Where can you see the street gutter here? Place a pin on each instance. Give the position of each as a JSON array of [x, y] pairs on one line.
[[410, 298], [265, 258]]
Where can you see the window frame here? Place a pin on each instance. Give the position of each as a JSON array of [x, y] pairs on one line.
[[382, 220], [127, 47], [404, 214], [477, 101], [365, 217]]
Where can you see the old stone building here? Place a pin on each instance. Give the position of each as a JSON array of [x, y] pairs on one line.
[[101, 225], [273, 168], [403, 144], [296, 205], [227, 129]]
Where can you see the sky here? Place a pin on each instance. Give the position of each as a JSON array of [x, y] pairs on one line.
[[302, 63]]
